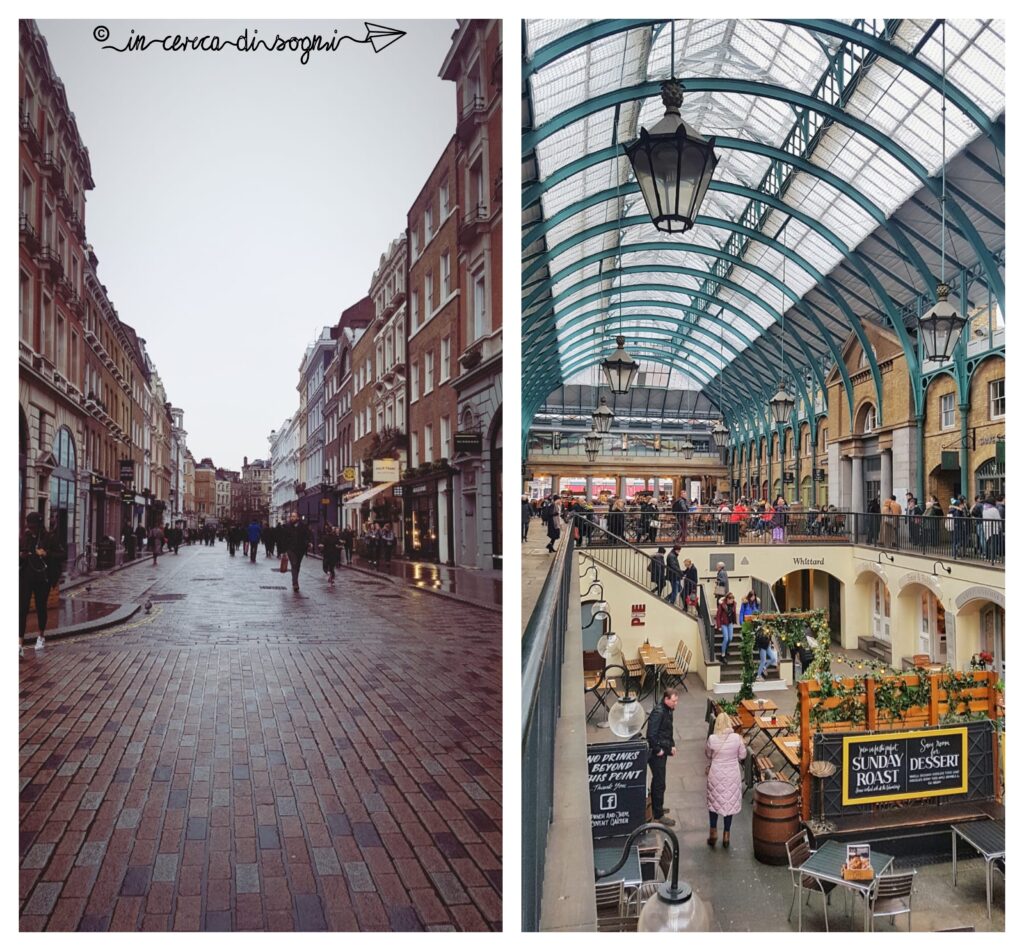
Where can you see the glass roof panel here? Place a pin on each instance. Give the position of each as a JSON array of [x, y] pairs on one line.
[[899, 105]]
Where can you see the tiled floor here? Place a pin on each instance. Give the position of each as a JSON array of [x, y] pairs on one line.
[[244, 757]]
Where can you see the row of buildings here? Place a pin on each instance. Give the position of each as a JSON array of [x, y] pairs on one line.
[[100, 447], [399, 411]]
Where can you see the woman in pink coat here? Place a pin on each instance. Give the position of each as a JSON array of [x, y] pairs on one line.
[[724, 750]]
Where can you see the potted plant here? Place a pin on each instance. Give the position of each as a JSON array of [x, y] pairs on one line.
[[472, 357]]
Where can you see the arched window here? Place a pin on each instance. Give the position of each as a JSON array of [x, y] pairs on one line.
[[62, 488], [868, 419]]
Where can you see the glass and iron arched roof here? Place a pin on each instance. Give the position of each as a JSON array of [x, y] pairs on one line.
[[825, 208]]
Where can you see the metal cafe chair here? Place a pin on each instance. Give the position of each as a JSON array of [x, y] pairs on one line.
[[635, 903], [890, 895], [623, 923], [798, 851]]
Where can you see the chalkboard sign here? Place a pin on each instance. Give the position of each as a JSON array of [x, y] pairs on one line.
[[913, 765], [618, 787]]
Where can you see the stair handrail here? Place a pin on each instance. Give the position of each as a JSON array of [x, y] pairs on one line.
[[641, 557]]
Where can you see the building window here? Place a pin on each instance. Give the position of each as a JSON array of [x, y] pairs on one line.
[[414, 306], [428, 372], [428, 442], [479, 327], [415, 450], [444, 199], [415, 237], [446, 275], [997, 399], [428, 295], [446, 359], [25, 307], [25, 196], [446, 437], [414, 383], [947, 411]]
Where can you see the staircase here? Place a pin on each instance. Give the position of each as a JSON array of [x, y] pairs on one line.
[[732, 666], [876, 648]]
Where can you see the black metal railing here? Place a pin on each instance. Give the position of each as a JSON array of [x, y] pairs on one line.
[[543, 651], [940, 537]]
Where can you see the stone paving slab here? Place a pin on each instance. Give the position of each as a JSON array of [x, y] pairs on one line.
[[249, 758]]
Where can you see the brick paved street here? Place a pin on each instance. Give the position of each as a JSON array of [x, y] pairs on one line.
[[248, 758]]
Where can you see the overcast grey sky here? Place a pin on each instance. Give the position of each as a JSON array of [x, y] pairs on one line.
[[243, 199]]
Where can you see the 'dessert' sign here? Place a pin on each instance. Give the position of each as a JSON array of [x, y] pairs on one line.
[[618, 787], [912, 765]]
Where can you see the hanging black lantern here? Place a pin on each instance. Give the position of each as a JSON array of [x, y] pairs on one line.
[[556, 441], [592, 443], [620, 369], [721, 434], [591, 455], [941, 327], [673, 166], [686, 448], [782, 404], [603, 417]]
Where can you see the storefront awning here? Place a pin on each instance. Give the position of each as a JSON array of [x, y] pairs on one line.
[[358, 500]]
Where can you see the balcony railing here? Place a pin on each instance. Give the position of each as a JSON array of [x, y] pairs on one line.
[[473, 110], [939, 537], [28, 234], [472, 222]]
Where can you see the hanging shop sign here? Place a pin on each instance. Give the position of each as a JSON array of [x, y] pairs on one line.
[[789, 478], [348, 474], [386, 470], [911, 765], [469, 442], [618, 787], [127, 471]]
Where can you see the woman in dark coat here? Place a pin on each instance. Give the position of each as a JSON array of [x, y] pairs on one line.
[[554, 528], [331, 545], [39, 563]]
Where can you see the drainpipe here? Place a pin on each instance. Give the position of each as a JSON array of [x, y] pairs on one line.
[[919, 440]]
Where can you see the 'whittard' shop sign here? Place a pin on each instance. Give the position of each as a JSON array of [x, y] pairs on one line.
[[913, 765]]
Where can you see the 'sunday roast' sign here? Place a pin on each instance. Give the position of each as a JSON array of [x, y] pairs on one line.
[[618, 787], [887, 766]]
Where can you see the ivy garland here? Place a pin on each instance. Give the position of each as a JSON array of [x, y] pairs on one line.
[[746, 691]]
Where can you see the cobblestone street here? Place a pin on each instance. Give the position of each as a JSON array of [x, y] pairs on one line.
[[243, 757]]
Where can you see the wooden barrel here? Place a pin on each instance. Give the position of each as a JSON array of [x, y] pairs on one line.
[[776, 820]]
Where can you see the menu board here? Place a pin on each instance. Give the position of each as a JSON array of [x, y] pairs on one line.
[[618, 787], [912, 765]]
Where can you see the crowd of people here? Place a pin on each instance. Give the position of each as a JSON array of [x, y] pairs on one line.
[[42, 559]]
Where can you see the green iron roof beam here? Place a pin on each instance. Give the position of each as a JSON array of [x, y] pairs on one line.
[[797, 99], [577, 39]]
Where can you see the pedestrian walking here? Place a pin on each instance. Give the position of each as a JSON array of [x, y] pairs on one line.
[[690, 582], [724, 751], [253, 534], [140, 538], [725, 619], [268, 540], [330, 546], [371, 539], [554, 527], [156, 540], [721, 581], [675, 574], [40, 556], [658, 572], [174, 537], [298, 544], [661, 745], [527, 515], [387, 542], [348, 540]]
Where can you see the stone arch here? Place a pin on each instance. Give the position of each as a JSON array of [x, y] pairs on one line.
[[865, 411], [979, 593], [870, 568], [919, 577]]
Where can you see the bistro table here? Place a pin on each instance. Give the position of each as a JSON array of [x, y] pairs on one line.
[[988, 836], [751, 709], [789, 747], [771, 726], [654, 656], [826, 865]]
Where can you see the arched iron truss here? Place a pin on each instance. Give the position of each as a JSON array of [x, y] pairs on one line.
[[861, 242]]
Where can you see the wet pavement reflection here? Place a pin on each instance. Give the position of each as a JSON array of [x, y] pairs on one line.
[[70, 610]]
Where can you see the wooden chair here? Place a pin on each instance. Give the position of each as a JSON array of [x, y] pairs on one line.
[[798, 851], [621, 923], [890, 895], [665, 861], [611, 898], [676, 670]]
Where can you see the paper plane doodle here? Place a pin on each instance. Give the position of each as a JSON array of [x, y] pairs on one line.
[[381, 37]]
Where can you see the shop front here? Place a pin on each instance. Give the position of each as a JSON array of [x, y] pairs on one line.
[[427, 505]]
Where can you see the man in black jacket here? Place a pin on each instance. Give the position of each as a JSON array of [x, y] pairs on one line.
[[298, 544], [675, 574], [661, 744]]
